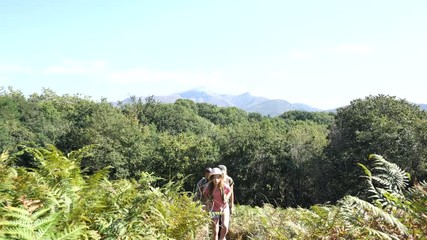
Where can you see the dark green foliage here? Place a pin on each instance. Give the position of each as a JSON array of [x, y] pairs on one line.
[[306, 142], [379, 124], [283, 154], [303, 158], [253, 150], [172, 118], [220, 115], [118, 141], [255, 117], [45, 118], [177, 156], [13, 129], [317, 117]]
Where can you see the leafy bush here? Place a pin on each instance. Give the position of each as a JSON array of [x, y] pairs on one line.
[[57, 201], [392, 213]]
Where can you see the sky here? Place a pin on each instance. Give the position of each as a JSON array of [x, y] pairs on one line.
[[321, 53]]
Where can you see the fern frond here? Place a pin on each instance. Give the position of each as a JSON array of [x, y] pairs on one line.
[[391, 174], [14, 223], [92, 235], [23, 224], [17, 213], [4, 156], [386, 181], [365, 169], [7, 176], [71, 233], [378, 234], [97, 178], [56, 195], [19, 233], [40, 213], [351, 202], [79, 154], [44, 229]]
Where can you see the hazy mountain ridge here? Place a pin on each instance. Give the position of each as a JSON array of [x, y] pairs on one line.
[[245, 101], [200, 96]]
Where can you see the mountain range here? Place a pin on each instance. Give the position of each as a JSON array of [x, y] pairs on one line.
[[245, 101]]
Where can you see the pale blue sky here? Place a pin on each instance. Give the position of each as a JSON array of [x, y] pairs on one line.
[[321, 53]]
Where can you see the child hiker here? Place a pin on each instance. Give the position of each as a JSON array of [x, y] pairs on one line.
[[217, 194]]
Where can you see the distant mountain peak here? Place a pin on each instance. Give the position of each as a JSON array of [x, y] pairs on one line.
[[245, 101]]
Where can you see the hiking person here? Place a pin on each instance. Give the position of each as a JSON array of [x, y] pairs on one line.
[[230, 182], [201, 185], [217, 194]]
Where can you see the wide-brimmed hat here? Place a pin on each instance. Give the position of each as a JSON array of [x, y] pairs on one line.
[[215, 171]]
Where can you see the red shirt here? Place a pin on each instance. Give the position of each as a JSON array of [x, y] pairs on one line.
[[218, 200]]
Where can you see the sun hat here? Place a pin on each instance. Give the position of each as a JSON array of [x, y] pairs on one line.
[[215, 171], [208, 170]]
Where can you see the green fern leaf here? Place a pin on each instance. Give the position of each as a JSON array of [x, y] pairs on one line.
[[71, 233]]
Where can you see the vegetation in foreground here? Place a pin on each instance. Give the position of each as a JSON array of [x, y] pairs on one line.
[[390, 210], [55, 200]]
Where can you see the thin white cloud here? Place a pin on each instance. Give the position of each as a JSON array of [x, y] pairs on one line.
[[77, 67], [278, 74], [358, 49], [300, 55], [12, 68]]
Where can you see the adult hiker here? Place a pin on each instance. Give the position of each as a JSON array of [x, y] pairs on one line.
[[217, 194], [230, 183], [201, 184]]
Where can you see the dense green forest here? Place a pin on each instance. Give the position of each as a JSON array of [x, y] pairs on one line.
[[74, 168]]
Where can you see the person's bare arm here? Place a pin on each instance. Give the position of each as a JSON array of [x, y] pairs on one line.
[[231, 198]]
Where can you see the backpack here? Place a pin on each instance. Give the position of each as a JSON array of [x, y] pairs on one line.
[[199, 189]]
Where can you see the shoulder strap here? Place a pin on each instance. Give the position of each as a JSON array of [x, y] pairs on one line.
[[203, 182]]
